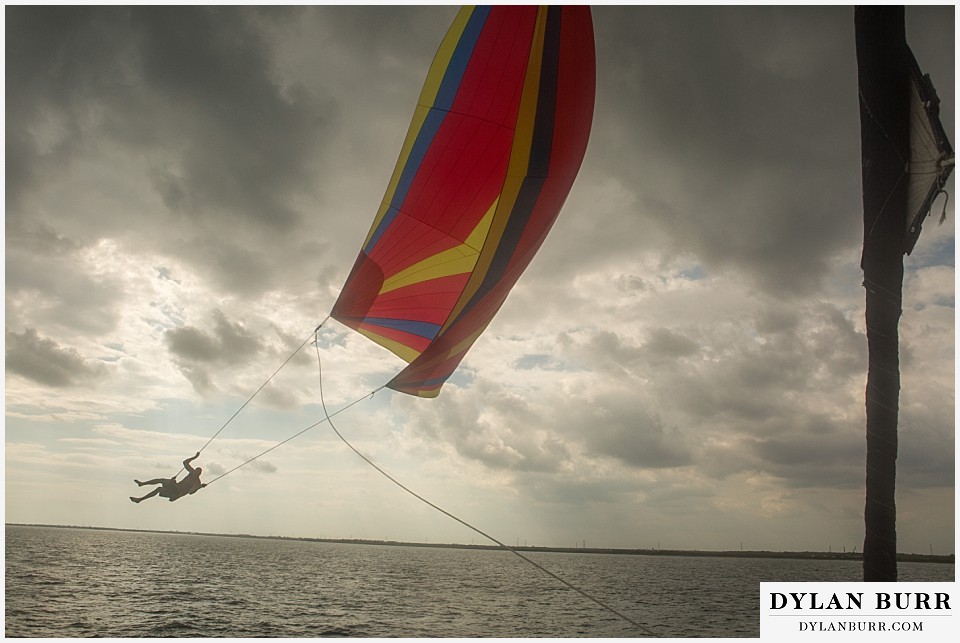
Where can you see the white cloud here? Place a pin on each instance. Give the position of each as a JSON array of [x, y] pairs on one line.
[[684, 356]]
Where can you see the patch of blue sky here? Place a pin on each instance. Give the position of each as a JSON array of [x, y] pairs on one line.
[[695, 273], [169, 317], [539, 361], [164, 274], [462, 377], [328, 337], [117, 353], [935, 252], [945, 302]]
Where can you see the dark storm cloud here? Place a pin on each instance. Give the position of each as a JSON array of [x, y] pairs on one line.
[[235, 267], [817, 451], [192, 96], [927, 430], [748, 380], [237, 140], [769, 391], [620, 427], [663, 343], [199, 353], [744, 125], [609, 352], [60, 62], [499, 429], [46, 362]]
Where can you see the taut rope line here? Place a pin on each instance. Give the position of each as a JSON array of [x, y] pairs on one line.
[[313, 334], [296, 435], [546, 571], [328, 418]]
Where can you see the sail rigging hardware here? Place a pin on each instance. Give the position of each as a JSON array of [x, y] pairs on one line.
[[943, 214], [930, 159], [931, 155]]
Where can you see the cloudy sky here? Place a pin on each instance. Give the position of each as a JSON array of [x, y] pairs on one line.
[[682, 365]]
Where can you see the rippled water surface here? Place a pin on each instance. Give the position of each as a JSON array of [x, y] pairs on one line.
[[78, 582]]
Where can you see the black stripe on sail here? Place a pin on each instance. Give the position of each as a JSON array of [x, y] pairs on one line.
[[538, 165]]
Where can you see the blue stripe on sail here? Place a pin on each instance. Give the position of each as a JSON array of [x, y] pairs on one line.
[[460, 59], [442, 103], [385, 222], [423, 329], [431, 124], [437, 381]]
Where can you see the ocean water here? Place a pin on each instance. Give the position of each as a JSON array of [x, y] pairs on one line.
[[100, 583]]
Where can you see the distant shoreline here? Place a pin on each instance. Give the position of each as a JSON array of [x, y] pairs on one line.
[[802, 555]]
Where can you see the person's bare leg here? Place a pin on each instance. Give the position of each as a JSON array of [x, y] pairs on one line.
[[149, 495], [154, 481]]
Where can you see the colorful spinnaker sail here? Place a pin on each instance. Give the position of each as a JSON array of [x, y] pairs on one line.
[[496, 141]]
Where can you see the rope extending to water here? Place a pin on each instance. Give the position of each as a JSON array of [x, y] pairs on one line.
[[329, 420]]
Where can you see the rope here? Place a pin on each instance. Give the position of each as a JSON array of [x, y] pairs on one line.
[[250, 399], [328, 418], [879, 125], [943, 215], [296, 435], [255, 393], [546, 571]]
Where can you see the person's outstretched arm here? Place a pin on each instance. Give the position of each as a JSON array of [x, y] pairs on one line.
[[186, 463]]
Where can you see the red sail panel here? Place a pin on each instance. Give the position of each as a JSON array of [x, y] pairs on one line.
[[494, 147]]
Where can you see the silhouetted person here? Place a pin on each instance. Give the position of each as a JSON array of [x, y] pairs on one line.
[[170, 488]]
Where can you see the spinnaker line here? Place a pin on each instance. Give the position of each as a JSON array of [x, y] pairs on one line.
[[326, 418], [494, 146], [329, 420], [250, 399], [262, 386]]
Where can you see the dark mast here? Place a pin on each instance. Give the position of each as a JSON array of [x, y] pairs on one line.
[[896, 199]]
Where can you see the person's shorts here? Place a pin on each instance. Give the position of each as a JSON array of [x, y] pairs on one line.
[[169, 490]]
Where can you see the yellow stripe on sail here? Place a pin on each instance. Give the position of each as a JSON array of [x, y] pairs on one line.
[[427, 96], [460, 347], [442, 59], [482, 231], [527, 116], [402, 351], [516, 169], [455, 261]]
